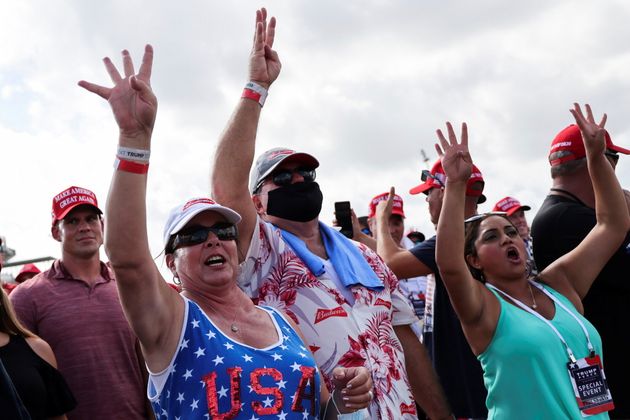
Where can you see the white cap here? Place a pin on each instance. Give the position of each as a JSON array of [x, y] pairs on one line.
[[181, 215]]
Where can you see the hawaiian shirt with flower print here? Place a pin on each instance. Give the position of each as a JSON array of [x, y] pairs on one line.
[[337, 332]]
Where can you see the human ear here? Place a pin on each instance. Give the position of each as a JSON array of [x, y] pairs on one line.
[[170, 263], [56, 234], [473, 261], [258, 204]]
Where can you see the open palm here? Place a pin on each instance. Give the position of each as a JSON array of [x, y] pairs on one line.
[[132, 101]]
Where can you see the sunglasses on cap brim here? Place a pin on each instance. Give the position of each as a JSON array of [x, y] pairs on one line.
[[484, 215], [614, 156], [426, 175], [199, 234]]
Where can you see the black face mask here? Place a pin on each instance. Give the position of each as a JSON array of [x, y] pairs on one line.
[[300, 202]]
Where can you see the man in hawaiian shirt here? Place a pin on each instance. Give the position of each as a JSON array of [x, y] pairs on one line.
[[341, 294]]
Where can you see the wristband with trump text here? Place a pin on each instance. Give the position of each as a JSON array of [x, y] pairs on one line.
[[128, 153]]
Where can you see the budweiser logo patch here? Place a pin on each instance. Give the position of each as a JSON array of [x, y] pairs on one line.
[[407, 408], [323, 314], [381, 302]]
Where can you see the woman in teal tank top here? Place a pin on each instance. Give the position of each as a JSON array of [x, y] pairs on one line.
[[530, 336]]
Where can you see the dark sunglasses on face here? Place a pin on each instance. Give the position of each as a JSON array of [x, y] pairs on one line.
[[283, 177], [426, 174], [484, 215], [199, 234], [614, 156]]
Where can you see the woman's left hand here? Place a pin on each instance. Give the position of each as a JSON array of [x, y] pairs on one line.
[[352, 388]]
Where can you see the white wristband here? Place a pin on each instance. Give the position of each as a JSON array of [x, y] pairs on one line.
[[255, 92], [127, 153]]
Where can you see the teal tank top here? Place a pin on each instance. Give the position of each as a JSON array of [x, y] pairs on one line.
[[525, 364]]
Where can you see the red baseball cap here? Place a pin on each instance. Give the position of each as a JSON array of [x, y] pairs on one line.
[[397, 205], [436, 178], [27, 269], [570, 140], [510, 205], [70, 198]]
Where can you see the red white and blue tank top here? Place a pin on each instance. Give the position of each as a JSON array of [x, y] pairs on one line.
[[212, 376]]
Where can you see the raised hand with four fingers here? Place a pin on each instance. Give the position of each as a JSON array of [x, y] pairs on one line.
[[132, 101]]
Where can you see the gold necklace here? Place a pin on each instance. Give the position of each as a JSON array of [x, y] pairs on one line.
[[533, 305]]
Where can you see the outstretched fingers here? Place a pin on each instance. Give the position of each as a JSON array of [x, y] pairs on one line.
[[271, 32], [258, 38], [112, 70], [101, 91], [452, 138], [442, 141], [583, 121], [589, 114], [263, 13], [127, 64], [579, 117], [464, 137], [147, 65], [265, 33]]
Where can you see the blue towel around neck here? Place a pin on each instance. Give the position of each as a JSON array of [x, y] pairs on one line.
[[351, 267]]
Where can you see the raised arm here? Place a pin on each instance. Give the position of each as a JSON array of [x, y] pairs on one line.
[[149, 304], [402, 262], [235, 151], [575, 272], [357, 234], [466, 294]]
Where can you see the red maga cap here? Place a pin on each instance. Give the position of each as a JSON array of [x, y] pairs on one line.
[[510, 205], [27, 269], [570, 140], [70, 198], [397, 205], [437, 179]]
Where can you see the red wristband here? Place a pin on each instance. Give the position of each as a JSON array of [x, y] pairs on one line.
[[250, 94], [255, 92], [131, 166]]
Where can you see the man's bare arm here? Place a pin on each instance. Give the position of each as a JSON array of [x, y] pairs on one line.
[[425, 386], [235, 151]]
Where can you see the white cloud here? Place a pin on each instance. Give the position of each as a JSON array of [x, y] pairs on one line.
[[364, 85]]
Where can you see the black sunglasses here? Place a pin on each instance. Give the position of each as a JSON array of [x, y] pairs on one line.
[[614, 156], [484, 215], [426, 174], [283, 177], [199, 234]]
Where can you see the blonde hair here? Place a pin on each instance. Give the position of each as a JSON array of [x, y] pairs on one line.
[[8, 320]]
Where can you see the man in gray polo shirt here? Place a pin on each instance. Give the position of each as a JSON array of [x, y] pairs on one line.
[[74, 306]]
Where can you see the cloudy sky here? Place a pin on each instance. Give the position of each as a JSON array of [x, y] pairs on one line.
[[363, 87]]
